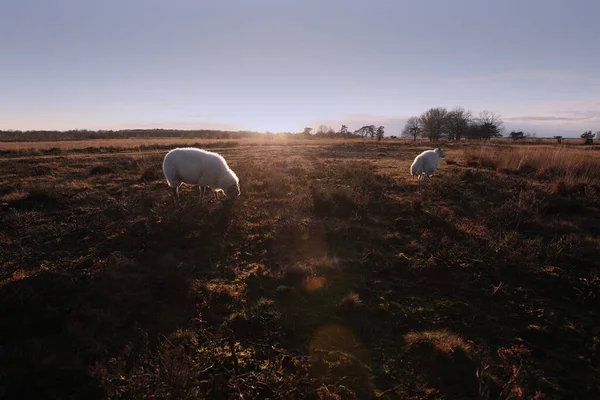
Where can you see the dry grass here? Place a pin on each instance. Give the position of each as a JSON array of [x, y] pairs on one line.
[[334, 276], [111, 145], [443, 341], [115, 144], [554, 163], [538, 141]]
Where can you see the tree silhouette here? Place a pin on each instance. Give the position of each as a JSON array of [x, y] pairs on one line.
[[325, 130], [488, 125], [344, 131], [588, 136], [517, 135], [434, 123], [366, 131], [491, 124], [412, 128], [380, 133], [458, 123]]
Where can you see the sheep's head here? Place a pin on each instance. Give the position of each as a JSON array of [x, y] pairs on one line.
[[232, 192], [440, 152]]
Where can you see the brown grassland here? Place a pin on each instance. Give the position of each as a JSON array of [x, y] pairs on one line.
[[334, 276]]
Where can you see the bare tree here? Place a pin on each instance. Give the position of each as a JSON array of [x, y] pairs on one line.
[[486, 126], [380, 133], [323, 130], [458, 123], [344, 131], [412, 128], [434, 123], [492, 123]]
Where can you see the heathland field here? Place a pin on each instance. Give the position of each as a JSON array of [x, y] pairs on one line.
[[334, 276]]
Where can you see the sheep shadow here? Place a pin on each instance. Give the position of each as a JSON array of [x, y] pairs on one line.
[[117, 283]]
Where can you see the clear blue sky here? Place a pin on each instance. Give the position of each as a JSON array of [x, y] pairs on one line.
[[281, 65]]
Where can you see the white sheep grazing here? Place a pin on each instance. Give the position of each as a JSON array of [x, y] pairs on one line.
[[426, 163], [200, 167]]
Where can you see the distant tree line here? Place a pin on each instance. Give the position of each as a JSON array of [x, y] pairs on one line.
[[367, 131], [434, 124], [587, 136], [437, 123], [441, 123]]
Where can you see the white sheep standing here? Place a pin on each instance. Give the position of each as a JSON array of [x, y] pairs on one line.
[[426, 163], [200, 167]]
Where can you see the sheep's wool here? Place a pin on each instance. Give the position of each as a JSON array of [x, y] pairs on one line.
[[426, 162], [198, 167]]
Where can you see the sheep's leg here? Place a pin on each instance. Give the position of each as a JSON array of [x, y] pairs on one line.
[[216, 195], [428, 177], [175, 193], [201, 193]]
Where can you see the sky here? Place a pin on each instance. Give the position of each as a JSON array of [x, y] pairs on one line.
[[282, 65]]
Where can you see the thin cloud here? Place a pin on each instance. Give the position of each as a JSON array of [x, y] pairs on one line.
[[543, 118], [182, 125], [591, 104], [559, 117], [541, 75], [206, 115], [583, 114], [362, 117]]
